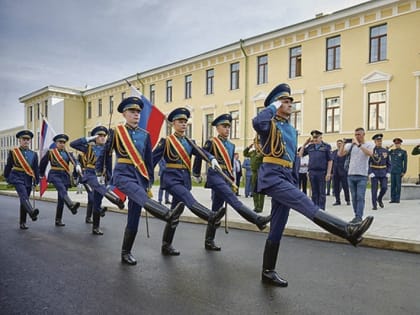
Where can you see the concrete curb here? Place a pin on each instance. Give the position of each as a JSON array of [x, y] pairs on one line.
[[368, 241]]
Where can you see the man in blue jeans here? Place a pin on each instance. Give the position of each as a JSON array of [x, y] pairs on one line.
[[357, 178]]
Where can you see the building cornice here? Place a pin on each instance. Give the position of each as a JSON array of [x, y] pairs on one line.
[[50, 89]]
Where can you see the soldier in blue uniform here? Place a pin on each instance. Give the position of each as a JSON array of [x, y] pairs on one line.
[[59, 175], [278, 178], [177, 150], [320, 165], [133, 172], [398, 158], [339, 176], [22, 171], [94, 177], [162, 191], [223, 150], [379, 171]]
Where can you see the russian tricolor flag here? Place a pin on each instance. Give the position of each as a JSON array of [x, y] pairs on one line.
[[45, 143], [151, 118]]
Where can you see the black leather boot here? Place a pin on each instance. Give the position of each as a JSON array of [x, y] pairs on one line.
[[33, 212], [251, 216], [216, 217], [22, 218], [73, 206], [95, 226], [269, 275], [350, 231], [103, 211], [89, 213], [128, 240], [168, 235], [210, 235], [201, 211], [161, 212], [111, 196], [58, 216]]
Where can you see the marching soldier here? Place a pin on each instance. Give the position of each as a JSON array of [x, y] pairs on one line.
[[96, 178], [177, 151], [278, 178], [379, 171], [133, 172], [398, 158], [59, 175], [22, 171], [221, 190]]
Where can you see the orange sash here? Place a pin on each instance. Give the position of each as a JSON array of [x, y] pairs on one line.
[[133, 153], [23, 162], [57, 156], [223, 152], [180, 149]]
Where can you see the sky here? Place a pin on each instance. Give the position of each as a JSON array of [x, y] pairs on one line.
[[81, 43]]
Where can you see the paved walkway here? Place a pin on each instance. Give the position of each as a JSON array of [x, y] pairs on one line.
[[397, 226]]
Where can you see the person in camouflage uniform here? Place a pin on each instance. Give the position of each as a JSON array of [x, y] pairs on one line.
[[256, 160]]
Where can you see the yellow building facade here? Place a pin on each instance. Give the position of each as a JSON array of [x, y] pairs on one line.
[[357, 67]]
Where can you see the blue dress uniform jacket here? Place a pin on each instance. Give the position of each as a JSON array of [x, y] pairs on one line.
[[125, 175], [319, 156], [15, 175], [221, 189], [280, 180], [176, 177]]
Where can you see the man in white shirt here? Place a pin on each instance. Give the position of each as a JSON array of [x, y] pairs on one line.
[[359, 152]]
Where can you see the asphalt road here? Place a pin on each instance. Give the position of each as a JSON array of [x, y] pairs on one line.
[[52, 270]]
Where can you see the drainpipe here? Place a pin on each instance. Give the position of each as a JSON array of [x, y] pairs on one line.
[[141, 83], [241, 43]]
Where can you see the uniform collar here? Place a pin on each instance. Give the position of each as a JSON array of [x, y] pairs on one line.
[[178, 135], [222, 138], [131, 128], [281, 119]]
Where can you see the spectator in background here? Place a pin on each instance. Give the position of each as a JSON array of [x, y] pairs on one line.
[[248, 173], [398, 169], [303, 173], [256, 160], [237, 167], [339, 176], [162, 167], [416, 151]]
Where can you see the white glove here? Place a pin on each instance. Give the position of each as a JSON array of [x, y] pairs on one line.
[[371, 175], [388, 175], [277, 104], [89, 139], [214, 164], [78, 169], [101, 180], [197, 179]]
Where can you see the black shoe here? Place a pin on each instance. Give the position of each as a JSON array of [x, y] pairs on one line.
[[272, 278], [374, 208], [127, 258], [59, 223], [392, 201], [97, 231], [380, 203], [337, 203], [210, 245], [23, 226], [88, 220], [169, 250], [348, 203], [167, 202], [103, 211]]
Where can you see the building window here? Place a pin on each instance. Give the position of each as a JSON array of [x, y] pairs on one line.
[[122, 96], [333, 53], [234, 129], [378, 38], [152, 93], [234, 76], [332, 114], [168, 91], [209, 81], [100, 107], [295, 62], [209, 127], [377, 101], [262, 70], [188, 85], [46, 108], [89, 110], [30, 113], [111, 104], [296, 116]]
